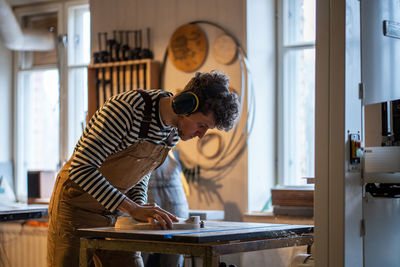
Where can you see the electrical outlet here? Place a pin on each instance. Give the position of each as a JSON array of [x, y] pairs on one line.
[[355, 152]]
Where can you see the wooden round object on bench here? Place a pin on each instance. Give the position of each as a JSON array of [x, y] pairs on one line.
[[127, 223], [187, 47]]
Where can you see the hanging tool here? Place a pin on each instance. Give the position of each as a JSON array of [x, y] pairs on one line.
[[96, 59], [131, 56], [125, 47], [104, 83], [125, 56], [97, 55], [135, 54], [111, 49], [108, 92], [105, 57], [112, 58], [146, 53], [117, 47], [136, 50]]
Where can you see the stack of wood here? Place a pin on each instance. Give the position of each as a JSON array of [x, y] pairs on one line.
[[289, 201]]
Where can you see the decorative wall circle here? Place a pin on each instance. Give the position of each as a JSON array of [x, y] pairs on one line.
[[224, 49], [187, 47]]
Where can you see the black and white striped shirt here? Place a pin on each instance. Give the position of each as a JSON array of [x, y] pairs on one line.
[[113, 128]]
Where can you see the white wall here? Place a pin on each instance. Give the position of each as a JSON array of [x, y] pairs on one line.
[[164, 17]]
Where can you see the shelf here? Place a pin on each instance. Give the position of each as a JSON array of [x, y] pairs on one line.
[[120, 63], [108, 79]]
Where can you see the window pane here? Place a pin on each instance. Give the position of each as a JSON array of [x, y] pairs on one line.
[[299, 103], [299, 21], [41, 120], [79, 35], [78, 104]]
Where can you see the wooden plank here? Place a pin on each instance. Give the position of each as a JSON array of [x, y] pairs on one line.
[[210, 259], [83, 253], [292, 197], [141, 76], [120, 63]]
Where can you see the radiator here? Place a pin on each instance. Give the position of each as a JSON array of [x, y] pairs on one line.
[[22, 245]]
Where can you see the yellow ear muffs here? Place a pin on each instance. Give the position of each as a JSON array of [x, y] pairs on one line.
[[185, 103]]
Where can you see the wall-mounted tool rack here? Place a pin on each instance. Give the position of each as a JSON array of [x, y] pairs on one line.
[[108, 79]]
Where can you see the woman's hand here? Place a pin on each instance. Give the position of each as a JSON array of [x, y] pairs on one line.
[[148, 212]]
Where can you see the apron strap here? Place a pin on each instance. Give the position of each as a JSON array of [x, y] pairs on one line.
[[145, 125], [170, 138]]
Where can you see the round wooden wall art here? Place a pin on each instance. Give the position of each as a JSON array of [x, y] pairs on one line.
[[187, 47], [224, 49]]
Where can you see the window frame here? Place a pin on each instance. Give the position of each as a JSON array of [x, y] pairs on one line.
[[72, 93], [282, 94]]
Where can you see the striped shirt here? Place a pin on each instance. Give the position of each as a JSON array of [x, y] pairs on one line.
[[113, 128]]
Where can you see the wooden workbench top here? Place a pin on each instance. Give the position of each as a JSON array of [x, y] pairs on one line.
[[214, 231]]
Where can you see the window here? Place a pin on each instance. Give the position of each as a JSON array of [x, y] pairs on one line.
[[296, 90], [78, 60], [40, 102], [51, 95]]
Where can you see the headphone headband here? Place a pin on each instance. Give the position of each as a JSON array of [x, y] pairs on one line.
[[197, 101]]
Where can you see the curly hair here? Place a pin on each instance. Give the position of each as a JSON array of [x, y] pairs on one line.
[[212, 90]]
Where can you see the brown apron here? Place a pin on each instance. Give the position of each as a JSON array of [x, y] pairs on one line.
[[72, 208]]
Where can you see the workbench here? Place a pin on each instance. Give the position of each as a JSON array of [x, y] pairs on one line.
[[215, 239], [18, 211]]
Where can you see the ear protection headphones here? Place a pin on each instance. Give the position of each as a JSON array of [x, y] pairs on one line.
[[188, 102], [185, 103]]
